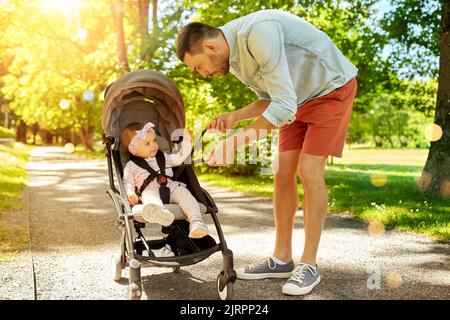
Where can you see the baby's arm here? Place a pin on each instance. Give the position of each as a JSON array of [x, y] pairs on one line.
[[175, 159], [128, 181]]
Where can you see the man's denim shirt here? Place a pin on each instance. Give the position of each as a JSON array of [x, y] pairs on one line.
[[285, 59]]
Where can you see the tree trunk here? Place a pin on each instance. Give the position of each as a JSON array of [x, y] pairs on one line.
[[155, 15], [73, 137], [66, 136], [435, 178], [143, 27], [21, 132], [34, 131], [117, 12], [87, 137]]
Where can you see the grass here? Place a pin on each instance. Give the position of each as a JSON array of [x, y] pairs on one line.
[[395, 202], [6, 133], [13, 177]]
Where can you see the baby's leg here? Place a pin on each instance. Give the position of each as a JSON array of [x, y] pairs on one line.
[[154, 210], [190, 207], [187, 203]]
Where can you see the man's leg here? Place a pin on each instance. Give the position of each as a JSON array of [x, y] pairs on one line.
[[285, 206], [315, 203], [285, 199]]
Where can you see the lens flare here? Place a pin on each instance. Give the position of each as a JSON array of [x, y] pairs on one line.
[[375, 228], [433, 132], [378, 179], [64, 104], [82, 34], [69, 148], [88, 95]]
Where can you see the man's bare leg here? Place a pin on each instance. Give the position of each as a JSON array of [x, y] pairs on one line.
[[285, 199], [315, 203]]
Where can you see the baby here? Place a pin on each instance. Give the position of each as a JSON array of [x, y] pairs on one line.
[[140, 141]]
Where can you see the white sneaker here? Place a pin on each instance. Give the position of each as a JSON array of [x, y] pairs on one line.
[[304, 278], [198, 229], [157, 214], [163, 252]]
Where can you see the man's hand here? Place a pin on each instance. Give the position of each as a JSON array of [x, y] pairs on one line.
[[133, 199], [222, 122]]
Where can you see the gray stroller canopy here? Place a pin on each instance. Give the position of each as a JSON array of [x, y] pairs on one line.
[[142, 96]]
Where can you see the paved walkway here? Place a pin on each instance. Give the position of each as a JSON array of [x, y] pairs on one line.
[[73, 235]]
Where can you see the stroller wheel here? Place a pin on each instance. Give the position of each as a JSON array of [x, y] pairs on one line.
[[227, 291], [116, 267], [134, 292], [134, 284]]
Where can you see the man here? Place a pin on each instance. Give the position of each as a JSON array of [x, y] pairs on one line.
[[306, 89]]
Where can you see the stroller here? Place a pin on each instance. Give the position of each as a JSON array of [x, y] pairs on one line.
[[142, 96]]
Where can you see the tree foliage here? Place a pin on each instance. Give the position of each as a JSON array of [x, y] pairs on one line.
[[50, 52]]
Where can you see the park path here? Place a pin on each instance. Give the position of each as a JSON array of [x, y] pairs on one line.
[[73, 235]]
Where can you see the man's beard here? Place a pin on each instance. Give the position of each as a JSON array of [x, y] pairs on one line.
[[221, 64]]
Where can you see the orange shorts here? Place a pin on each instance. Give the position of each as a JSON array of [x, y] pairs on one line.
[[321, 124]]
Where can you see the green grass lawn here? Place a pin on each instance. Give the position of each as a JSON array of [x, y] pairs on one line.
[[6, 133], [13, 174], [396, 201], [13, 177]]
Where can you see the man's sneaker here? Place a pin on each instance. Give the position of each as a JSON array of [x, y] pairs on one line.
[[157, 214], [198, 229], [266, 269], [304, 278]]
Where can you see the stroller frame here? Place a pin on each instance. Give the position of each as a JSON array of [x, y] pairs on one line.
[[130, 255]]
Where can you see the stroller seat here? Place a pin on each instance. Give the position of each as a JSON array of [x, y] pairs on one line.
[[142, 96], [174, 208]]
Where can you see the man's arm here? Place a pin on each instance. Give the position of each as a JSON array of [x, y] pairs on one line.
[[228, 120], [251, 111], [225, 149], [266, 44]]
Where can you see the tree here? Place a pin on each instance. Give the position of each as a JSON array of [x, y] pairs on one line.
[[117, 12], [52, 57], [425, 26]]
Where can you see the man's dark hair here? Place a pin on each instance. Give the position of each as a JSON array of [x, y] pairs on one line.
[[191, 34]]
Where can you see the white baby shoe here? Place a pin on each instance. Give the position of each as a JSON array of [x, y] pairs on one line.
[[198, 229], [157, 214]]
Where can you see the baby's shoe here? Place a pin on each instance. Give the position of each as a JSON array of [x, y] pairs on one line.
[[157, 214], [198, 229]]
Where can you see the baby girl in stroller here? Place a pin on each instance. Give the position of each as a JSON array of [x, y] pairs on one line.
[[148, 173]]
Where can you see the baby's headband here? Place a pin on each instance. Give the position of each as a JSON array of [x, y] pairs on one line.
[[140, 135]]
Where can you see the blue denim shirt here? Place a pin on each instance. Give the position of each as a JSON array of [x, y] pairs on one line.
[[285, 59]]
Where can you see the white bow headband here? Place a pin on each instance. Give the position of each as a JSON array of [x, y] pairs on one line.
[[140, 135]]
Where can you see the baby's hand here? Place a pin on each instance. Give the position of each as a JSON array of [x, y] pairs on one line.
[[187, 135], [133, 199]]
